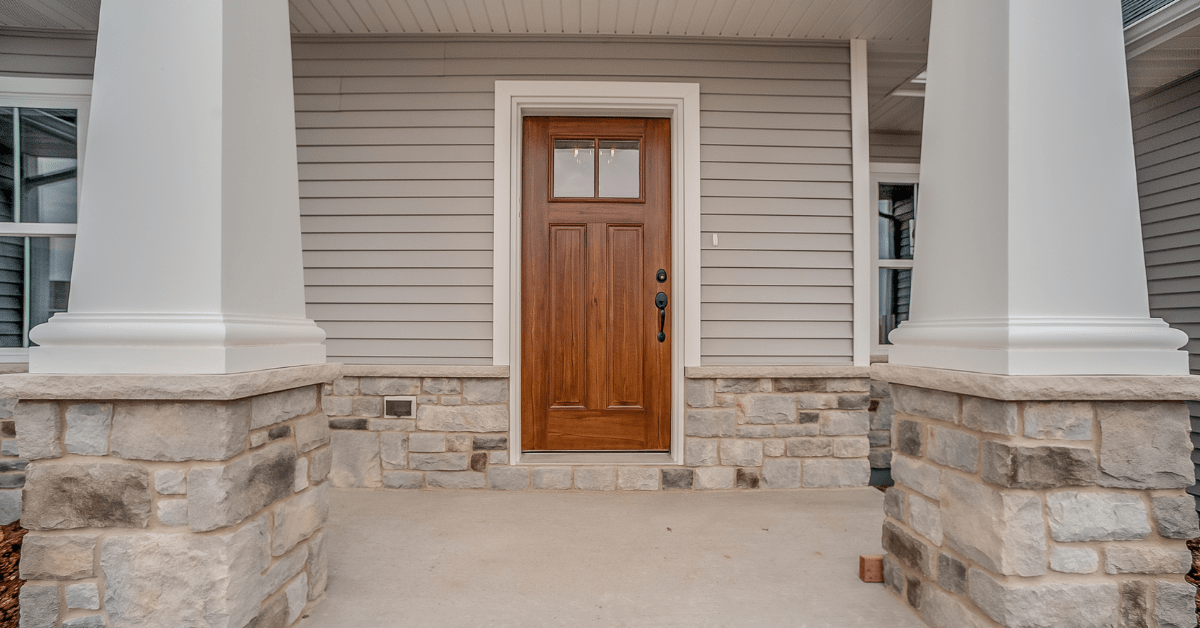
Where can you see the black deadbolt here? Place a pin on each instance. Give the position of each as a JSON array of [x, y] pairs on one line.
[[661, 275]]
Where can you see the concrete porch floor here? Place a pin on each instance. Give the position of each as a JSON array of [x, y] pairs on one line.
[[483, 558]]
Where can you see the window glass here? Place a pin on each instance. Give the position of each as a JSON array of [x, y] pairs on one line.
[[895, 291], [897, 219], [574, 168], [620, 169], [48, 154], [7, 161]]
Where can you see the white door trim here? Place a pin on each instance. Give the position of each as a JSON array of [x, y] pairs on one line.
[[678, 101]]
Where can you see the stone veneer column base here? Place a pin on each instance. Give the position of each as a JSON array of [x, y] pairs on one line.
[[172, 500], [1040, 501]]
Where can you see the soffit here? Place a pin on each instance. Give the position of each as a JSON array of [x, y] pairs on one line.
[[1165, 63]]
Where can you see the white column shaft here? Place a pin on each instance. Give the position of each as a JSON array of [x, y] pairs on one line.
[[1029, 255], [187, 257]]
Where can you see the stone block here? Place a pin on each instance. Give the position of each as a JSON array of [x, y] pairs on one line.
[[795, 431], [893, 574], [391, 425], [1037, 467], [941, 610], [813, 401], [923, 402], [311, 432], [1148, 559], [283, 405], [154, 580], [1002, 531], [920, 476], [177, 431], [851, 447], [699, 393], [345, 386], [1076, 516], [355, 462], [809, 447], [781, 473], [1176, 516], [459, 442], [337, 406], [912, 591], [595, 478], [749, 478], [506, 478], [284, 569], [439, 462], [908, 549], [677, 479], [39, 606], [279, 431], [1059, 604], [403, 479], [1074, 559], [172, 512], [319, 463], [455, 479], [84, 595], [223, 495], [953, 448], [57, 557], [736, 386], [296, 593], [725, 400], [427, 443], [854, 402], [10, 506], [300, 479], [1174, 604], [550, 478], [768, 409], [845, 422], [298, 518], [452, 400], [462, 418], [827, 473], [1061, 420], [951, 574], [274, 613], [700, 452], [497, 457], [318, 565], [880, 458], [88, 425], [393, 450], [61, 496], [170, 481], [909, 437], [87, 621], [478, 461], [441, 386], [389, 386], [924, 517], [367, 407], [712, 423], [990, 415], [640, 478], [1145, 445], [774, 447], [38, 424], [741, 453], [9, 447], [476, 391], [715, 478], [895, 501]]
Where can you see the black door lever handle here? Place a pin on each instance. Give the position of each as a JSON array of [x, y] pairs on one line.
[[660, 301]]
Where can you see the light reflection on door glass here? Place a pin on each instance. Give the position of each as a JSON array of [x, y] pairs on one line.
[[574, 169], [620, 169]]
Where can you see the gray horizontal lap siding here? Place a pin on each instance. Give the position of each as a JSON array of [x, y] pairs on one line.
[[395, 146], [1166, 131], [47, 55]]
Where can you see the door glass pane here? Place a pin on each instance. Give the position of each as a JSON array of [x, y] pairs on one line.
[[48, 138], [620, 169], [895, 290], [897, 220], [574, 169], [7, 160], [49, 277]]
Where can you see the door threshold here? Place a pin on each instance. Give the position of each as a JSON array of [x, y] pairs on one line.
[[657, 458]]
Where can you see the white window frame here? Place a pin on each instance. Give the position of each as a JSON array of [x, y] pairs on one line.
[[680, 102], [46, 93], [885, 172]]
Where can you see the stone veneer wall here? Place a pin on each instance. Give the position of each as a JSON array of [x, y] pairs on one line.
[[741, 433], [174, 512], [882, 411], [1040, 513]]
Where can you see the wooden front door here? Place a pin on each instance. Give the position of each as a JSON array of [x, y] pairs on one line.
[[596, 256]]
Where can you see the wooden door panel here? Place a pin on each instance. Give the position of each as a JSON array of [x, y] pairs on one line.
[[594, 375], [568, 315]]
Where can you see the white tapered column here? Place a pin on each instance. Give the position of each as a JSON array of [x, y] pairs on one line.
[[1029, 253], [188, 251]]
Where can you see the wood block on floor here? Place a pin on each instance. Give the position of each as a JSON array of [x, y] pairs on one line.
[[870, 568]]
